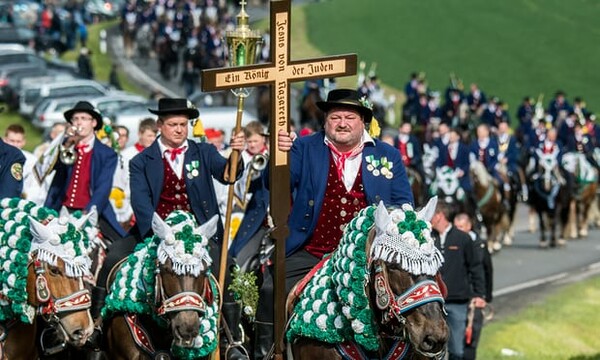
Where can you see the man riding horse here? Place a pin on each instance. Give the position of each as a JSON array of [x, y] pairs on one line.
[[411, 153], [334, 173]]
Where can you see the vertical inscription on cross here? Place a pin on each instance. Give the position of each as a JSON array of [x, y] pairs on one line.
[[279, 73]]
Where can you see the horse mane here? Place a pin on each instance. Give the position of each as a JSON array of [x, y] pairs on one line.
[[480, 172]]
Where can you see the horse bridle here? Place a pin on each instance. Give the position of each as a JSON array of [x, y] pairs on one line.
[[183, 301], [395, 307]]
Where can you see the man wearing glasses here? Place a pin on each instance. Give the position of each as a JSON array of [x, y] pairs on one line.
[[84, 173]]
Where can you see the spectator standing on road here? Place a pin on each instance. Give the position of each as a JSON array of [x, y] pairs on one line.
[[189, 78], [113, 78], [463, 274], [84, 64], [463, 222]]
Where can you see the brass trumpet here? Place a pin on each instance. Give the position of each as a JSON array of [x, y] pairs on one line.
[[259, 162], [67, 153]]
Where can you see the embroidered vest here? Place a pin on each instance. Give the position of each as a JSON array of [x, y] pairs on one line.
[[78, 192], [174, 193], [403, 147], [339, 207]]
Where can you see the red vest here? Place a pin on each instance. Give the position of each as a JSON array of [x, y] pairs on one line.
[[173, 195], [339, 207], [450, 159], [78, 192], [404, 152]]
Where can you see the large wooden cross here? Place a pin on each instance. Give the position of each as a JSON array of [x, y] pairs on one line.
[[279, 73]]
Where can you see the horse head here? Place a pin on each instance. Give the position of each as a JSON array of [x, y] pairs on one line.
[[183, 289], [548, 169], [404, 290], [447, 184], [58, 263], [479, 173]]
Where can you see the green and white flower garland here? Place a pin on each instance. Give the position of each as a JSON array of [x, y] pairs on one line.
[[334, 306], [133, 290], [16, 245]]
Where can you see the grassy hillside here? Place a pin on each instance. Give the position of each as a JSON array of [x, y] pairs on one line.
[[511, 48]]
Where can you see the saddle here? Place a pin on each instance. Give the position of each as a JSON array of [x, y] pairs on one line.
[[299, 287]]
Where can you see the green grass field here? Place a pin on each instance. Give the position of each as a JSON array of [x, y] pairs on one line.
[[511, 48], [564, 326]]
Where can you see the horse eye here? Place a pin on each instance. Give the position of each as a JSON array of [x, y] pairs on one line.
[[55, 271]]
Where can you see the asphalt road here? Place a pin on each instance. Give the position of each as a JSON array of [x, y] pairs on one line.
[[522, 271]]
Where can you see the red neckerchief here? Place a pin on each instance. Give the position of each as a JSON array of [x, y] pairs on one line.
[[139, 147], [340, 157], [81, 147], [175, 152]]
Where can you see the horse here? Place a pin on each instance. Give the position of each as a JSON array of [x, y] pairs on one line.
[[375, 294], [165, 283], [446, 185], [430, 156], [489, 202], [584, 194], [44, 261], [512, 200], [549, 196]]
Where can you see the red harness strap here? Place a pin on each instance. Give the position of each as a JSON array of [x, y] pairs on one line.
[[139, 334], [351, 351]]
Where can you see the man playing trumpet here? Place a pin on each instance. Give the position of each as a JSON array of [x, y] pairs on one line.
[[84, 170]]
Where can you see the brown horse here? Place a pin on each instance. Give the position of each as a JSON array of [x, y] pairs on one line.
[[406, 306], [489, 201], [57, 301], [584, 194], [184, 296]]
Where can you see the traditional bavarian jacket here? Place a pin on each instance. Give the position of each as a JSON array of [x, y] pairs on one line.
[[508, 148], [309, 167], [410, 150], [201, 163], [103, 164], [11, 178], [460, 161], [488, 155]]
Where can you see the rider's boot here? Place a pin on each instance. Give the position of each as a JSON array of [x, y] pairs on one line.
[[232, 314], [95, 340], [263, 340]]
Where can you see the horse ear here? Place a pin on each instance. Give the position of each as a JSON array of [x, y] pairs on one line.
[[91, 216], [209, 228], [438, 172], [64, 213], [382, 218], [41, 233], [162, 229], [427, 212]]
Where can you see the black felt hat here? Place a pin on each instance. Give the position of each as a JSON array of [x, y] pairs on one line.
[[346, 98], [84, 106], [171, 106]]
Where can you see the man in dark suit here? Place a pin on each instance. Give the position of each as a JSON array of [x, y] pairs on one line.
[[463, 274], [87, 182], [456, 155], [11, 170], [463, 223]]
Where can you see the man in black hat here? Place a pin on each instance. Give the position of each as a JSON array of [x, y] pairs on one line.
[[11, 169], [86, 180], [335, 173]]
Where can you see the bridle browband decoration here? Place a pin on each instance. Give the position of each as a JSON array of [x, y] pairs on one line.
[[421, 293]]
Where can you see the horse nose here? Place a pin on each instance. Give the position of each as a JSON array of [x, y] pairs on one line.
[[80, 335], [187, 332], [433, 343]]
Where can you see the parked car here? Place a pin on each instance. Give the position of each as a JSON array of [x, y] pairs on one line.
[[30, 95], [7, 70], [50, 111], [19, 79], [16, 35], [115, 101], [218, 117]]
